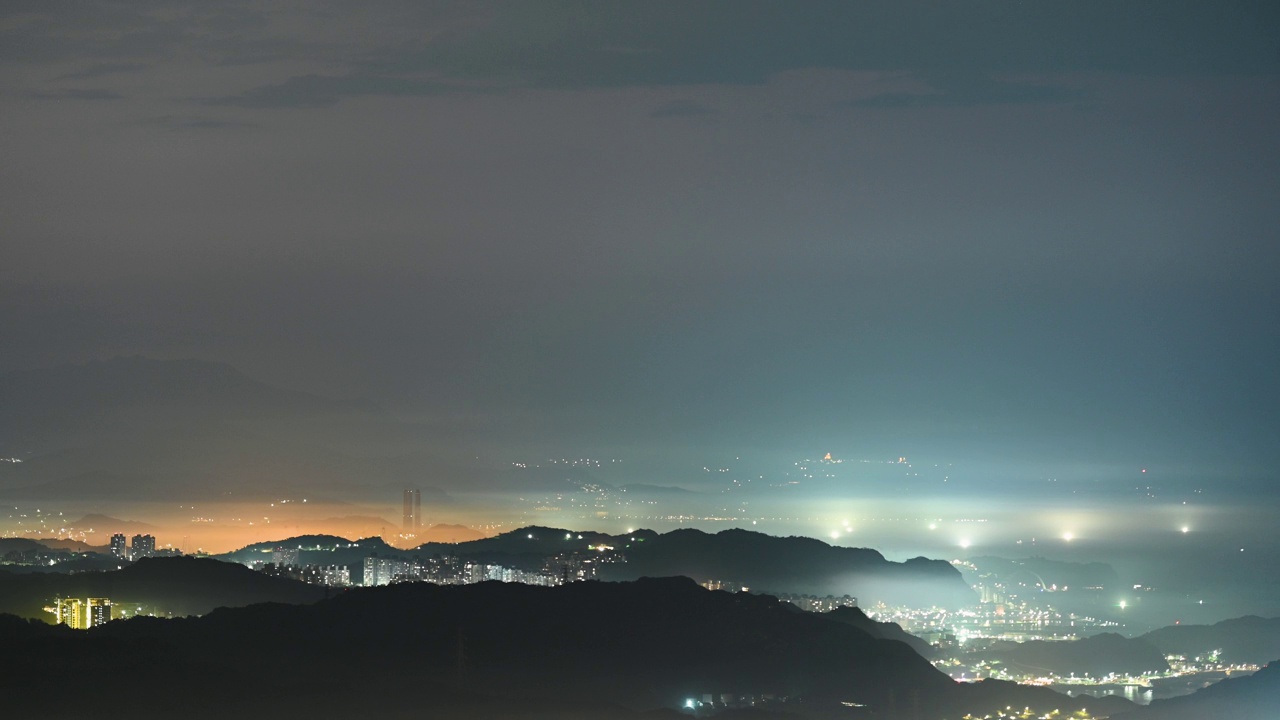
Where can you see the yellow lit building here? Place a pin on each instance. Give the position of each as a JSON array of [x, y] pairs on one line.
[[80, 614], [70, 612]]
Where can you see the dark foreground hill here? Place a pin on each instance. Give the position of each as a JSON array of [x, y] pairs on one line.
[[599, 650], [178, 586], [884, 630]]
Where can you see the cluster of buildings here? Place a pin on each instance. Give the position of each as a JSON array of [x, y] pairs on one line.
[[80, 614], [140, 546], [448, 570], [441, 570], [444, 571]]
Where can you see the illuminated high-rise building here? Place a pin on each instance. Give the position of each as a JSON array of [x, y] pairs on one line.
[[412, 510], [383, 571], [70, 612], [118, 547], [142, 546], [97, 612]]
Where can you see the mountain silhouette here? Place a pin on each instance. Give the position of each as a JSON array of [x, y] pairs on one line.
[[883, 630], [792, 565], [1098, 655], [1252, 697], [1248, 639], [591, 649], [761, 562]]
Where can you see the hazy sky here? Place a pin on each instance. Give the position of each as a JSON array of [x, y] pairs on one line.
[[998, 228]]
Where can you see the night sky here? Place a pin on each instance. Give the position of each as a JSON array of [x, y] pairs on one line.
[[1042, 232]]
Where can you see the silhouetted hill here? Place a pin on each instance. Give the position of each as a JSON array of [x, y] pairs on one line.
[[602, 650], [317, 550], [1249, 639], [21, 545], [764, 563], [446, 533], [883, 630], [180, 586], [301, 541], [53, 556], [74, 545], [108, 525], [532, 540], [1098, 655], [1253, 697], [793, 565]]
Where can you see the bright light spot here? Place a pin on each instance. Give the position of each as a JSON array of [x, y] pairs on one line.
[[1123, 604], [1186, 529], [835, 535], [688, 703], [1068, 536], [530, 536], [965, 543], [630, 530], [933, 526]]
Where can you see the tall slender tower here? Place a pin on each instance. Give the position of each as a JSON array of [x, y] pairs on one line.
[[412, 510]]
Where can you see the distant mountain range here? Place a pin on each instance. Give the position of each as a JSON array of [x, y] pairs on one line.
[[760, 562], [107, 525], [1098, 656], [600, 650], [792, 565], [1249, 639]]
